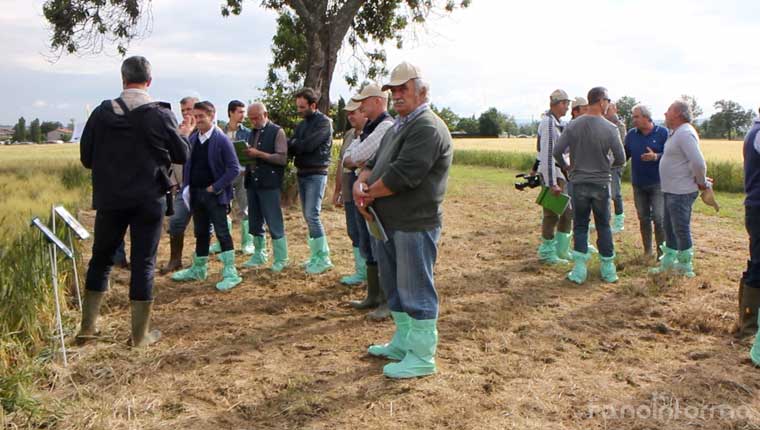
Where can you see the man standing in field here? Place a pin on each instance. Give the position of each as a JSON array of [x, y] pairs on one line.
[[644, 145], [268, 146], [405, 184], [235, 131], [618, 223], [554, 248], [682, 175], [311, 146], [181, 218], [590, 138], [749, 286], [129, 143], [580, 107], [374, 104]]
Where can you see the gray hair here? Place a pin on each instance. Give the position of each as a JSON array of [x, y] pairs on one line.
[[421, 85], [684, 109], [135, 70], [643, 110], [258, 105], [189, 99]]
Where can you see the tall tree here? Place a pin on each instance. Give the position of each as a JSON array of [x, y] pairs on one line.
[[469, 125], [625, 106], [696, 110], [493, 123], [447, 115], [35, 133], [340, 121], [48, 126], [19, 130], [730, 118], [318, 27]]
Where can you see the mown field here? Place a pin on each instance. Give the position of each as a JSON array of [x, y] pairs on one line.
[[520, 347]]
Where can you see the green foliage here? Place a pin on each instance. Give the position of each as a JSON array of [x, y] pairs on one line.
[[35, 133], [280, 102], [469, 125], [19, 130], [340, 122], [696, 110], [529, 129], [48, 126], [448, 116], [493, 123], [730, 120], [625, 106]]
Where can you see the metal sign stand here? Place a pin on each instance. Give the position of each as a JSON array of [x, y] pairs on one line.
[[74, 228]]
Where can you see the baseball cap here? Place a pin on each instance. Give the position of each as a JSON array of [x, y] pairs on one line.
[[352, 105], [580, 101], [558, 96], [370, 90], [401, 74]]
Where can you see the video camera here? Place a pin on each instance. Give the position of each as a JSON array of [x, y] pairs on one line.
[[529, 181]]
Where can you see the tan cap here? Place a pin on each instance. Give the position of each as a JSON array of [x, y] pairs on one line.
[[580, 101], [401, 74], [352, 105], [370, 90], [558, 96]]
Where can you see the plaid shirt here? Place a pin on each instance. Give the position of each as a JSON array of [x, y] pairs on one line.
[[402, 121]]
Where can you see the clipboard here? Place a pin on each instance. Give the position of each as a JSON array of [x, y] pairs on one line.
[[548, 200], [240, 147]]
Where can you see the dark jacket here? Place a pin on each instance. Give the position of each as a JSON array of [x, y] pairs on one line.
[[223, 161], [311, 142], [130, 154], [263, 175]]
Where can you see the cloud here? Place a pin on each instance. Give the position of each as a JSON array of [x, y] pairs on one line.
[[40, 103]]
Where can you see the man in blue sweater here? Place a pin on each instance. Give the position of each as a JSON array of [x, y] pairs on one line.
[[311, 144], [644, 145], [207, 182]]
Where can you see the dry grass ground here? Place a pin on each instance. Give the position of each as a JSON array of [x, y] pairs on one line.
[[519, 347], [714, 150]]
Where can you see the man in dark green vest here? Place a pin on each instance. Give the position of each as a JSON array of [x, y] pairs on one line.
[[268, 145]]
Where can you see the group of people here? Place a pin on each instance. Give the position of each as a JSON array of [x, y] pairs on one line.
[[585, 159], [392, 172]]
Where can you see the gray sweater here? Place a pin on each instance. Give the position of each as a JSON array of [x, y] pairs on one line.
[[413, 162], [590, 139], [682, 166]]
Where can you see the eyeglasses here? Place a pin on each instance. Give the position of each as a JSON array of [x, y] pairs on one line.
[[606, 99]]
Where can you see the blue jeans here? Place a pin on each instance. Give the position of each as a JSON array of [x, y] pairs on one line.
[[678, 220], [650, 207], [181, 218], [405, 265], [206, 212], [264, 207], [615, 189], [311, 191], [588, 198], [352, 225]]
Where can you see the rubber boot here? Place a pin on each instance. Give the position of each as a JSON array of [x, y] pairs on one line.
[[360, 267], [321, 257], [608, 269], [381, 312], [562, 243], [217, 247], [396, 348], [684, 264], [579, 272], [176, 243], [749, 302], [280, 248], [246, 238], [667, 261], [197, 272], [260, 255], [230, 278], [754, 353], [547, 252], [90, 311], [312, 254], [373, 290], [420, 354], [142, 335], [618, 223]]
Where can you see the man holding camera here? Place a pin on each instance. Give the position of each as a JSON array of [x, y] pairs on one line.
[[554, 248], [129, 143]]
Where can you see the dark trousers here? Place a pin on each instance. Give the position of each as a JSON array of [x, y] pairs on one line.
[[752, 223], [208, 211], [144, 222], [365, 244], [264, 208]]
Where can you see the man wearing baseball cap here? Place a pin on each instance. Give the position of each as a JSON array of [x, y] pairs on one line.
[[405, 183], [580, 107], [554, 248], [374, 104]]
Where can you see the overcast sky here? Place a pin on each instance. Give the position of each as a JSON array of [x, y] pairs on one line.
[[510, 55]]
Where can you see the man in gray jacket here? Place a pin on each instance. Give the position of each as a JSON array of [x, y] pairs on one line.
[[591, 138]]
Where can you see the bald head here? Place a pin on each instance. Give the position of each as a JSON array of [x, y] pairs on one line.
[[257, 113]]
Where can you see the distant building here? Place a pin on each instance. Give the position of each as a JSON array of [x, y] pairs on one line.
[[58, 134], [6, 133]]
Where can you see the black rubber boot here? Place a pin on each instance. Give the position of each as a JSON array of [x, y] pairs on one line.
[[749, 302], [373, 298]]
